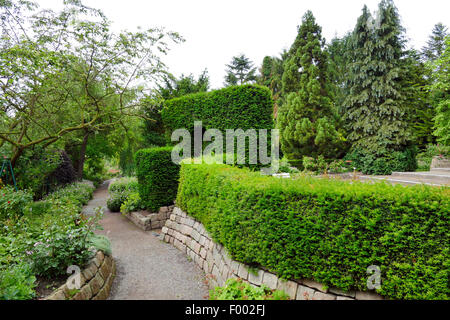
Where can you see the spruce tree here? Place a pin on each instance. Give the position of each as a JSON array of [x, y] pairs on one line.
[[436, 43], [306, 118], [375, 110], [240, 71]]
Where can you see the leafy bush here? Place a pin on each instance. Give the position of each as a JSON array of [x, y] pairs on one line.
[[326, 230], [132, 203], [320, 165], [12, 202], [157, 176], [17, 282], [119, 191], [384, 164], [236, 289], [78, 193], [51, 234], [66, 241]]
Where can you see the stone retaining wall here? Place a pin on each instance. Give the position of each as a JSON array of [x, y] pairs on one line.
[[438, 162], [148, 221], [96, 281], [190, 236]]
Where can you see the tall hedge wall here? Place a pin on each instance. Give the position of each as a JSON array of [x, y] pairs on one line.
[[328, 231], [157, 177], [244, 107]]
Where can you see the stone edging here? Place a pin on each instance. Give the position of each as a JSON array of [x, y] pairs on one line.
[[439, 162], [150, 221], [96, 281], [190, 236]]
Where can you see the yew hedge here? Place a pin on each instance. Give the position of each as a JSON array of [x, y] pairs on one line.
[[327, 231]]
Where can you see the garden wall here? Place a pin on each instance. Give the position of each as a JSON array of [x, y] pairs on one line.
[[96, 281], [146, 220], [190, 236]]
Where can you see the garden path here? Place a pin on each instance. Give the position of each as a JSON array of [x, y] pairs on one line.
[[147, 268]]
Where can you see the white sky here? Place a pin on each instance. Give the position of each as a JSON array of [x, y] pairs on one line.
[[215, 31]]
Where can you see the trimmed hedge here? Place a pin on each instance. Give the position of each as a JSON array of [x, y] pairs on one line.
[[245, 107], [157, 177], [237, 107], [326, 230]]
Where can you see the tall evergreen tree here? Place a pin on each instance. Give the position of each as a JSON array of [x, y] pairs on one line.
[[376, 114], [270, 76], [240, 71], [436, 43], [441, 84], [306, 118]]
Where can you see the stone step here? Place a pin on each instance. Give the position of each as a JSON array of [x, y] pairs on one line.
[[441, 170], [433, 177], [398, 180]]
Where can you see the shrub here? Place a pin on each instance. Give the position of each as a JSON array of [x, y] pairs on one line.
[[119, 191], [132, 203], [12, 202], [237, 107], [17, 283], [384, 164], [157, 176], [66, 241], [245, 107], [236, 289], [326, 230]]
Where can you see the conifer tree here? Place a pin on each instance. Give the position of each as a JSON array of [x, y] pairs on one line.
[[436, 43], [306, 118], [375, 113], [240, 71]]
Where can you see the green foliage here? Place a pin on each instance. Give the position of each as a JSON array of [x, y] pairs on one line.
[[34, 167], [238, 107], [376, 112], [17, 282], [396, 161], [175, 88], [119, 191], [100, 242], [436, 43], [326, 230], [240, 71], [441, 84], [157, 176], [307, 119], [244, 107], [12, 202], [132, 203], [51, 234], [236, 289]]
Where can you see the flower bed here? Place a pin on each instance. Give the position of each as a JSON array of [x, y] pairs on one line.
[[41, 239]]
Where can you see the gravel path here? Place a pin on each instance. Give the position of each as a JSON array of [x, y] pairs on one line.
[[147, 268]]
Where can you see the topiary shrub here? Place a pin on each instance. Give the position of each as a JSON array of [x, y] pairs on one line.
[[157, 176], [237, 107], [326, 230]]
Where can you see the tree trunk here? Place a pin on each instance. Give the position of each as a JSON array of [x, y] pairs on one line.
[[82, 156]]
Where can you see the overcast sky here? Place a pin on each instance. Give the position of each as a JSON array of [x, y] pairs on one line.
[[215, 31]]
